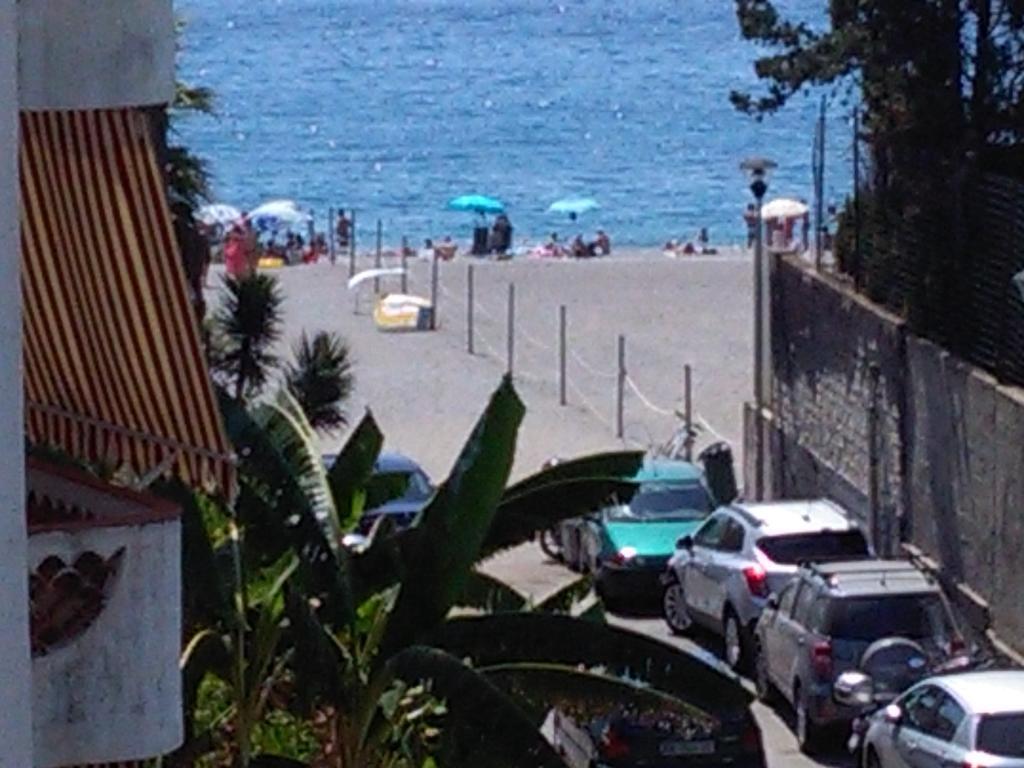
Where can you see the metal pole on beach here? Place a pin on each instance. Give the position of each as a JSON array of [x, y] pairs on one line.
[[330, 235], [874, 493], [434, 267], [688, 411], [620, 395], [352, 247], [405, 265], [511, 328], [469, 309], [561, 354], [380, 248]]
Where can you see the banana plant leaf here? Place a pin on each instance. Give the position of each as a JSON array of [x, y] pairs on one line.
[[616, 465], [512, 638], [454, 525], [565, 598], [352, 469], [588, 695], [483, 725], [486, 593]]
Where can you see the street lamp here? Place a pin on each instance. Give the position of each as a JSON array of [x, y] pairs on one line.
[[757, 170]]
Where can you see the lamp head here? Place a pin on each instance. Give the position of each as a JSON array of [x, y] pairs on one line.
[[758, 170]]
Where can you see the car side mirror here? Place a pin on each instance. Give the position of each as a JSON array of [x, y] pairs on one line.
[[893, 714], [854, 689], [684, 542]]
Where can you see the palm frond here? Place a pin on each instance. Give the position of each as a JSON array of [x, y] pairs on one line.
[[455, 523], [587, 695], [483, 725], [512, 638], [486, 593], [188, 175], [249, 323], [321, 379], [192, 98], [352, 469], [563, 600]]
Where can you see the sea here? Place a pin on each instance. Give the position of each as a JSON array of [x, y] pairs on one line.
[[390, 108]]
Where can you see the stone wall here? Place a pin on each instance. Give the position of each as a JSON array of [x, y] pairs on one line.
[[950, 439], [824, 345]]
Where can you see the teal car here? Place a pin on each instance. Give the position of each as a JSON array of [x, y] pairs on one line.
[[627, 546]]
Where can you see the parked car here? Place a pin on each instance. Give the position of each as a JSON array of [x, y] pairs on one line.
[[720, 577], [393, 470], [967, 719], [627, 546], [825, 620]]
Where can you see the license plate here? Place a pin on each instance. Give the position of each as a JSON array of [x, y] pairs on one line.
[[678, 747]]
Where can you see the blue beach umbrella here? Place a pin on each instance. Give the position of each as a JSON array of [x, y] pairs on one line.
[[574, 206], [476, 204]]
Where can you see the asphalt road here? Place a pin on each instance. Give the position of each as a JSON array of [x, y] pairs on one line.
[[426, 390]]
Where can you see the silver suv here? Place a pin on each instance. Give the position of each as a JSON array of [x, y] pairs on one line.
[[825, 622], [720, 578]]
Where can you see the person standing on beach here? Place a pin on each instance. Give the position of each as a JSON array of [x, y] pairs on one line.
[[751, 218], [342, 230]]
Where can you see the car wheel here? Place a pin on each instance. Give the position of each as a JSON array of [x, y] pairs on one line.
[[871, 759], [736, 643], [674, 610], [762, 680], [807, 733]]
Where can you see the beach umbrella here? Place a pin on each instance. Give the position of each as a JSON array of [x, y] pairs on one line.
[[278, 214], [218, 214], [574, 206], [476, 204], [783, 208]]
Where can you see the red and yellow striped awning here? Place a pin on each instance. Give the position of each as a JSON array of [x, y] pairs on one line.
[[114, 370]]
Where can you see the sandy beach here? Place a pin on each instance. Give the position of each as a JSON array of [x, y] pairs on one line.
[[427, 391]]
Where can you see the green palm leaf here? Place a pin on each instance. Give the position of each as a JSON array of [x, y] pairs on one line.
[[248, 324], [321, 379], [586, 695], [352, 469], [486, 593], [512, 638], [453, 526], [483, 725], [565, 598]]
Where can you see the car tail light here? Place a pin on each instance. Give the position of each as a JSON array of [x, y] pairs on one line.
[[821, 659], [757, 580], [612, 744], [624, 556], [972, 760]]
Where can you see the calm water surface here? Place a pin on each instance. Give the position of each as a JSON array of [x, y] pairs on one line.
[[391, 107]]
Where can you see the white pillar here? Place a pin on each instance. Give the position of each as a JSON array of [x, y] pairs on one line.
[[15, 658]]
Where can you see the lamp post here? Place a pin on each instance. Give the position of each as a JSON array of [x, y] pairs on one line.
[[757, 170]]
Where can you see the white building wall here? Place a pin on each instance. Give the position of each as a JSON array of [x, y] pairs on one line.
[[15, 661], [95, 54]]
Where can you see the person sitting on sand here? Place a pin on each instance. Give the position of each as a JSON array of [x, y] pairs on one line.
[[427, 251], [579, 248], [602, 245], [553, 248], [447, 249]]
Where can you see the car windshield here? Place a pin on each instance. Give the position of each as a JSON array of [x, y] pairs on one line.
[[665, 502], [916, 617], [1002, 735], [818, 547], [383, 485]]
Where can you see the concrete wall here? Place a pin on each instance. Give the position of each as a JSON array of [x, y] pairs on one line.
[[950, 438], [95, 54], [15, 666]]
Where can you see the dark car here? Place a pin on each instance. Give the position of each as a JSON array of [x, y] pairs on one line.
[[394, 471]]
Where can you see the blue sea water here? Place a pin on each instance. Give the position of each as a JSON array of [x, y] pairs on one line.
[[391, 107]]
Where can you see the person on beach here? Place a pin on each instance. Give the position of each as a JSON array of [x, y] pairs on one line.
[[750, 217], [447, 249], [235, 262], [578, 248], [602, 245], [342, 230], [501, 235]]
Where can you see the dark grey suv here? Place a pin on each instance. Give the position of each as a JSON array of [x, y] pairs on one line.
[[821, 624]]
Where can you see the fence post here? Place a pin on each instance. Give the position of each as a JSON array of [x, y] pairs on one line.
[[511, 329], [561, 354], [352, 246], [405, 265], [856, 202], [874, 496], [377, 259], [819, 186], [330, 236], [433, 292], [621, 391], [688, 411], [469, 309]]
